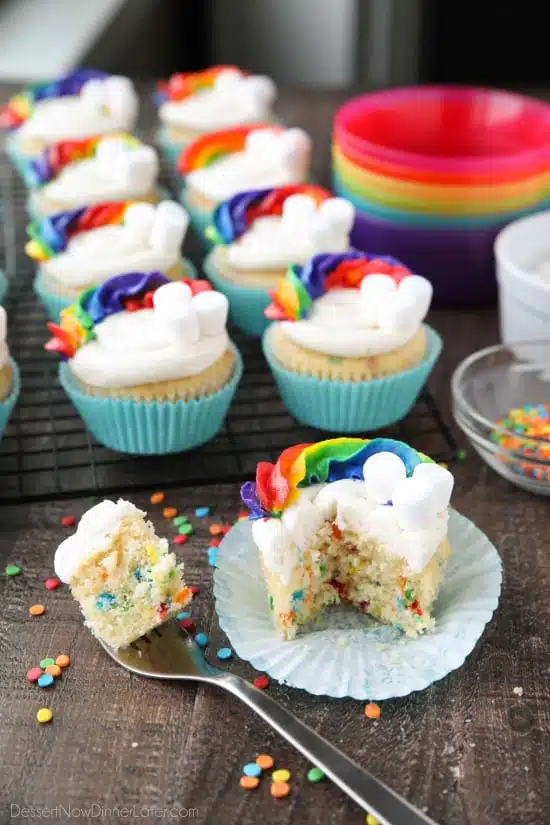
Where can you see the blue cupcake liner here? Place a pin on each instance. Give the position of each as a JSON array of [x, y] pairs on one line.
[[4, 283], [168, 149], [55, 303], [7, 405], [35, 216], [246, 304], [348, 406], [152, 427], [200, 219], [17, 159]]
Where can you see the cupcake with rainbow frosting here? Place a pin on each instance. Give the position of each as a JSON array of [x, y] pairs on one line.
[[147, 362], [77, 106], [348, 349], [219, 165], [73, 174], [9, 375], [192, 104], [80, 249], [260, 233]]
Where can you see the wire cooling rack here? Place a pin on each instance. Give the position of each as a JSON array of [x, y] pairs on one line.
[[46, 452]]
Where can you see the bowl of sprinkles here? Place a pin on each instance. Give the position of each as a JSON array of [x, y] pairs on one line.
[[501, 401]]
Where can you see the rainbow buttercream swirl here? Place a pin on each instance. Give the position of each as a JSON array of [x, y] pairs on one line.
[[277, 485], [20, 107], [233, 217], [211, 147], [302, 285], [185, 84], [50, 236], [55, 157]]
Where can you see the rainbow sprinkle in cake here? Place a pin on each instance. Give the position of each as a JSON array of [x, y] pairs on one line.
[[351, 520]]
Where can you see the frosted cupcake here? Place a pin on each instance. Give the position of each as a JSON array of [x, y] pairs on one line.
[[149, 365], [79, 105], [81, 249], [194, 104], [84, 173], [259, 234], [351, 521], [9, 376], [348, 350], [219, 165]]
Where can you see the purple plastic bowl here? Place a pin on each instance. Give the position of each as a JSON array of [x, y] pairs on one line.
[[458, 262]]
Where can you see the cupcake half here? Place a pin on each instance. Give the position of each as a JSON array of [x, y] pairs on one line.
[[149, 365], [348, 348], [9, 376], [81, 249], [74, 107], [259, 234], [73, 174], [196, 103], [219, 165]]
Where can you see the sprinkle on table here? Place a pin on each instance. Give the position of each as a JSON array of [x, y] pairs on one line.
[[281, 775], [169, 512], [315, 775], [224, 653], [53, 670], [194, 589], [34, 674], [261, 682], [12, 570], [243, 515], [185, 614], [63, 660], [45, 680], [180, 539], [52, 584], [179, 520], [265, 761], [187, 624], [372, 710], [44, 715], [185, 529], [280, 789], [226, 528], [202, 512], [215, 529], [249, 783], [214, 542], [157, 498], [371, 820], [252, 769], [47, 662], [37, 610], [68, 521], [201, 639], [212, 556]]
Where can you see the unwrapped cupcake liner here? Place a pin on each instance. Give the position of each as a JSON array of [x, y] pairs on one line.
[[349, 406], [55, 303], [246, 304], [200, 219], [345, 653], [4, 283], [7, 404], [152, 427]]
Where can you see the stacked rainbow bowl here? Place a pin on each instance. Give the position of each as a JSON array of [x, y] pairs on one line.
[[436, 171]]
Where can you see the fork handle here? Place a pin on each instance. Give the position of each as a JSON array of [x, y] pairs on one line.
[[370, 793]]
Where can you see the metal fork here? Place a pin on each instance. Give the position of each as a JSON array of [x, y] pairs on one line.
[[169, 653]]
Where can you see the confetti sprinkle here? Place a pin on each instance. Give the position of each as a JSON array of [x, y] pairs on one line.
[[47, 662], [179, 520], [215, 529], [12, 570], [187, 624], [242, 515], [281, 775], [371, 820], [45, 680], [461, 456], [249, 783], [44, 715], [215, 542], [280, 789], [169, 512], [261, 682], [226, 528], [201, 639], [37, 610], [68, 521], [63, 660], [212, 555], [157, 498], [180, 539], [525, 424], [52, 584], [53, 670], [224, 653], [34, 674], [202, 512], [372, 710], [252, 769], [185, 614], [265, 761], [315, 775], [185, 529], [194, 589]]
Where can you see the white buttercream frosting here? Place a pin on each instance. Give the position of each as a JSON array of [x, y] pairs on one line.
[[181, 336], [117, 172], [234, 99], [302, 230], [94, 535], [411, 527], [150, 240], [4, 350], [270, 158], [377, 318], [108, 105]]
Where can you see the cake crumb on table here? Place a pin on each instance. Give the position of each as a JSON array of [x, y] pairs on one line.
[[518, 691]]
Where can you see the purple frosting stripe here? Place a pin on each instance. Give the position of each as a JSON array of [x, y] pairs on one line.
[[109, 298]]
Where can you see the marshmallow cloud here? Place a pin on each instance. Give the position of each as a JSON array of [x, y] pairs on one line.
[[137, 165], [289, 147], [186, 317], [394, 306], [165, 224], [115, 93], [233, 85]]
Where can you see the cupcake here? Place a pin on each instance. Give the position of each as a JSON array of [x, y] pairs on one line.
[[81, 249], [194, 104], [149, 365], [9, 376], [348, 348], [79, 105], [259, 234], [219, 165], [84, 173]]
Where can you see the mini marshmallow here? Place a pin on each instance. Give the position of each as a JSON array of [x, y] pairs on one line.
[[420, 291], [382, 472], [139, 219], [261, 88], [440, 479], [138, 166], [259, 141], [120, 96], [3, 324], [339, 212], [174, 294], [294, 147], [298, 208], [327, 499], [376, 292], [211, 309], [109, 150], [178, 322], [169, 227], [92, 93], [415, 504], [229, 79]]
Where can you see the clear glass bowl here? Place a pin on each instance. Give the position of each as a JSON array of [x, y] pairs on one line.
[[485, 387]]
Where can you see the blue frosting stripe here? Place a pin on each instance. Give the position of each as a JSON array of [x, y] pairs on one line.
[[230, 216], [54, 229], [109, 298], [353, 467], [69, 84]]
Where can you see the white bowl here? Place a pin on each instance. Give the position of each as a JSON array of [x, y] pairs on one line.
[[524, 297]]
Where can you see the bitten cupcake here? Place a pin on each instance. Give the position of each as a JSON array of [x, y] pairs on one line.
[[76, 106], [349, 351], [9, 376], [81, 249], [150, 367], [259, 234], [83, 173], [219, 165], [196, 103]]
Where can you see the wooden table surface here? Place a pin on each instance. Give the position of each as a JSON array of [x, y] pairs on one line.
[[468, 749]]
